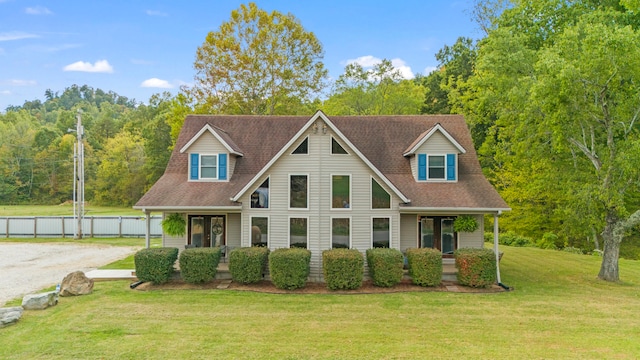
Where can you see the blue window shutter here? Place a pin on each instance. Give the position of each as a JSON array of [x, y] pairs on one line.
[[222, 166], [451, 166], [422, 166], [194, 166]]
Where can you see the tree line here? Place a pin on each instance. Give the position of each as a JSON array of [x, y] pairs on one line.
[[550, 93]]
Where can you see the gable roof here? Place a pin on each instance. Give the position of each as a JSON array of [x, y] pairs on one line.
[[220, 135], [380, 141], [426, 135]]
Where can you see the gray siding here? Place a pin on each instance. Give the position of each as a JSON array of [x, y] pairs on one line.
[[408, 231], [319, 165], [437, 144], [474, 239]]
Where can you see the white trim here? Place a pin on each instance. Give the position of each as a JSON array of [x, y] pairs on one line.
[[217, 167], [350, 193], [371, 196], [444, 211], [444, 169], [426, 137], [321, 115], [390, 218], [350, 229], [229, 209], [289, 227], [208, 127], [289, 192], [251, 217]]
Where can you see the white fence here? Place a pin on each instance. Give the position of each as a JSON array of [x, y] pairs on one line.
[[65, 226]]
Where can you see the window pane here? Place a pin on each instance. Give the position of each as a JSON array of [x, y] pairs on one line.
[[448, 240], [340, 233], [298, 232], [436, 167], [208, 165], [259, 231], [303, 148], [337, 148], [381, 235], [197, 231], [340, 187], [426, 233], [298, 196], [380, 199], [260, 197]]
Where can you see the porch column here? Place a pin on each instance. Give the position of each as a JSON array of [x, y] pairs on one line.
[[147, 234], [495, 244]]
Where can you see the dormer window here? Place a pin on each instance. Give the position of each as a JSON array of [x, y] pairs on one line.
[[437, 167], [208, 167]]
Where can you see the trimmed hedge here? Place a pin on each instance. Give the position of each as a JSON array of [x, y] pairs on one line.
[[343, 268], [198, 265], [155, 264], [425, 266], [289, 268], [247, 265], [385, 266], [476, 267]]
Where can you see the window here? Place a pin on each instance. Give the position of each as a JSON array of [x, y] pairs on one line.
[[380, 198], [336, 148], [260, 197], [437, 233], [303, 148], [381, 232], [298, 231], [340, 233], [260, 231], [436, 167], [340, 191], [448, 237], [208, 167], [298, 192]]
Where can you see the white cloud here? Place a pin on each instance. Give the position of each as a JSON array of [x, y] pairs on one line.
[[156, 83], [429, 69], [38, 10], [156, 13], [100, 66], [5, 92], [18, 82], [16, 35], [369, 61]]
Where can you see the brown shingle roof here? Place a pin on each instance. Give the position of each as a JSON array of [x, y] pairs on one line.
[[381, 139]]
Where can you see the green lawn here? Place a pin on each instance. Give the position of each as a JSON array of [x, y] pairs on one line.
[[559, 310], [64, 210]]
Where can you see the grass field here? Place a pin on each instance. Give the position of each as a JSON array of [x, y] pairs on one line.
[[63, 210], [559, 310]]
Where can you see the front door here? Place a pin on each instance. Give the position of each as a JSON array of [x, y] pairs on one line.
[[206, 230], [437, 232]]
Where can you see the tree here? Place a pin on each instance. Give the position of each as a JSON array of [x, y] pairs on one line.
[[379, 91], [255, 62]]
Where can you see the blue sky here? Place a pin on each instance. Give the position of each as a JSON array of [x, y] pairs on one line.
[[138, 48]]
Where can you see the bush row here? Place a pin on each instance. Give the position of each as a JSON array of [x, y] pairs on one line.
[[155, 264], [476, 267]]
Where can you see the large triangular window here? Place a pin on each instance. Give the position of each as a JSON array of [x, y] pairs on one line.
[[303, 148], [336, 148]]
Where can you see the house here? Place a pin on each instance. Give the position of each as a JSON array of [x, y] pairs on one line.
[[324, 182]]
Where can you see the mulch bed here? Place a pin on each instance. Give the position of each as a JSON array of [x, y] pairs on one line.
[[367, 287]]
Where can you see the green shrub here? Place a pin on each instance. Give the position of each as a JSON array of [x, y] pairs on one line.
[[198, 265], [512, 239], [343, 268], [425, 266], [289, 268], [247, 265], [155, 264], [630, 250], [476, 267], [488, 237], [385, 266], [465, 223], [549, 241]]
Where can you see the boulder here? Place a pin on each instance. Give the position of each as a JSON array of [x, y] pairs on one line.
[[40, 301], [76, 283], [10, 315]]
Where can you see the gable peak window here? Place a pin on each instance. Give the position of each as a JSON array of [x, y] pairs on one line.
[[260, 197], [380, 198], [303, 148], [336, 148]]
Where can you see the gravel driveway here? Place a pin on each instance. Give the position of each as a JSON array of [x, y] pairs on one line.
[[28, 268]]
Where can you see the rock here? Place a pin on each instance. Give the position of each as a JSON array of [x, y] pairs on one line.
[[76, 283], [40, 301], [10, 315]]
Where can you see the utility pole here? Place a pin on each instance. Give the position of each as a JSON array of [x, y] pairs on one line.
[[80, 174]]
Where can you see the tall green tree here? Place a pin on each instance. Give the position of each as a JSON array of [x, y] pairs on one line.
[[256, 62], [379, 91]]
